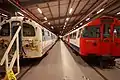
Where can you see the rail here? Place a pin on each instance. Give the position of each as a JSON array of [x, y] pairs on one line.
[[5, 59]]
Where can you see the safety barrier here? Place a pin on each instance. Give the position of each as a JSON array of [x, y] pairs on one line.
[[9, 63]]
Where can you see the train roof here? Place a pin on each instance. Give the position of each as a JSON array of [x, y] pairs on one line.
[[77, 29]]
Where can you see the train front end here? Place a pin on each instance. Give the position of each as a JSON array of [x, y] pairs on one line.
[[101, 37]]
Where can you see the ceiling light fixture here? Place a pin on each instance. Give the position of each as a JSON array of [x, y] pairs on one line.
[[52, 27], [100, 11], [81, 23], [39, 10], [67, 19], [87, 19], [4, 15], [45, 18], [76, 26], [20, 13], [70, 10], [49, 23], [65, 23], [118, 13]]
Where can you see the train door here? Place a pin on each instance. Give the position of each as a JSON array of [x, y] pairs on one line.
[[14, 26], [106, 41], [116, 41]]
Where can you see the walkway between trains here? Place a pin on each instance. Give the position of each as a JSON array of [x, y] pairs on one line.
[[58, 65]]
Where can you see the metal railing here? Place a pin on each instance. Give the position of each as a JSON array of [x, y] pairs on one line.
[[9, 64]]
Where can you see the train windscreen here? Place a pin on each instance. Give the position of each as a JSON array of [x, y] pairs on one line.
[[28, 30], [106, 31], [5, 30], [91, 32], [117, 31]]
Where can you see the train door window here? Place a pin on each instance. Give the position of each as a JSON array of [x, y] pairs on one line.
[[28, 30], [74, 35], [106, 30], [5, 30], [15, 25], [91, 32], [117, 31]]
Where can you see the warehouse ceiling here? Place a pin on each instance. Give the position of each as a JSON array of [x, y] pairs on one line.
[[61, 16]]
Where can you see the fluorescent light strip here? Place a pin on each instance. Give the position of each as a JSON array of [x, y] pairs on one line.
[[100, 11], [118, 13], [20, 13], [70, 10], [39, 10], [87, 19], [65, 23], [45, 18], [52, 27], [67, 19], [49, 23], [81, 23], [4, 15]]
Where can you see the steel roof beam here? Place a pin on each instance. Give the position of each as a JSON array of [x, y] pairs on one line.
[[34, 2], [64, 17], [74, 10], [50, 11]]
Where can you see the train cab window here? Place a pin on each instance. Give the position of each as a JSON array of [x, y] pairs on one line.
[[106, 31], [117, 31], [91, 32], [28, 30], [5, 30]]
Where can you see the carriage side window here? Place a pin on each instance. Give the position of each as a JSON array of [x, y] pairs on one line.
[[70, 36], [48, 33], [79, 33], [28, 30], [5, 30], [117, 31], [91, 32], [106, 31], [43, 33]]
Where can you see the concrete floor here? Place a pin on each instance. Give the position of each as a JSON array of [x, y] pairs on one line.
[[58, 65]]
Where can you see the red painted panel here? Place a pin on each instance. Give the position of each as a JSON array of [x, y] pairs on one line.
[[116, 47], [90, 46]]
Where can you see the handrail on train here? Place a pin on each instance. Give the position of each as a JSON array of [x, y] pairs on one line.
[[5, 58]]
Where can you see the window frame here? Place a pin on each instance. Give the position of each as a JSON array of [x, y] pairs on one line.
[[93, 26], [8, 30], [32, 28]]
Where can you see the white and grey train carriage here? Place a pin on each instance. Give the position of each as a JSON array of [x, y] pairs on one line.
[[33, 38]]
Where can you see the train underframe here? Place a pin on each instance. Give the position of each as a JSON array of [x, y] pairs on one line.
[[103, 61]]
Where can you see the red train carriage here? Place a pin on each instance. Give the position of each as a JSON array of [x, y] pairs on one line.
[[101, 37]]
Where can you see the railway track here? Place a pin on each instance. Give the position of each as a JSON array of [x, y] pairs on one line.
[[31, 63], [103, 73], [104, 78]]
